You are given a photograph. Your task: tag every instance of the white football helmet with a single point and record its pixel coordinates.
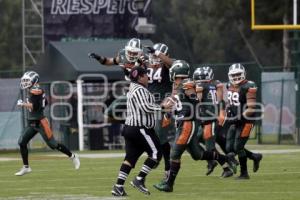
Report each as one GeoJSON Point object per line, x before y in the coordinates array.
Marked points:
{"type": "Point", "coordinates": [155, 60]}
{"type": "Point", "coordinates": [29, 79]}
{"type": "Point", "coordinates": [236, 73]}
{"type": "Point", "coordinates": [133, 50]}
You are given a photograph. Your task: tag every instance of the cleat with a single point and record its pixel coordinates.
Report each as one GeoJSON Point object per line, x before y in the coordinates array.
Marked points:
{"type": "Point", "coordinates": [227, 173]}
{"type": "Point", "coordinates": [165, 187]}
{"type": "Point", "coordinates": [76, 161]}
{"type": "Point", "coordinates": [162, 182]}
{"type": "Point", "coordinates": [118, 191]}
{"type": "Point", "coordinates": [24, 170]}
{"type": "Point", "coordinates": [140, 185]}
{"type": "Point", "coordinates": [244, 176]}
{"type": "Point", "coordinates": [211, 165]}
{"type": "Point", "coordinates": [235, 161]}
{"type": "Point", "coordinates": [231, 162]}
{"type": "Point", "coordinates": [256, 160]}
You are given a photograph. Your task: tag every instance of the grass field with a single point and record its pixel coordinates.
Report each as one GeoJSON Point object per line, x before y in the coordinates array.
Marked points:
{"type": "Point", "coordinates": [53, 177]}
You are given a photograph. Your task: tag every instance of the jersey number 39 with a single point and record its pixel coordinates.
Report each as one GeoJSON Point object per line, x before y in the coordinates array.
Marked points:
{"type": "Point", "coordinates": [233, 98]}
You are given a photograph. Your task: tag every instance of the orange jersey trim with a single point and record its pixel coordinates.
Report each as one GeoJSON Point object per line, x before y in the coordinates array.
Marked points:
{"type": "Point", "coordinates": [207, 131]}
{"type": "Point", "coordinates": [166, 121]}
{"type": "Point", "coordinates": [185, 133]}
{"type": "Point", "coordinates": [246, 130]}
{"type": "Point", "coordinates": [36, 91]}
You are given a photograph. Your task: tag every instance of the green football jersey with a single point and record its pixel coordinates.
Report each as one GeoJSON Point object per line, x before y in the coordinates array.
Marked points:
{"type": "Point", "coordinates": [38, 99]}
{"type": "Point", "coordinates": [185, 106]}
{"type": "Point", "coordinates": [237, 98]}
{"type": "Point", "coordinates": [208, 106]}
{"type": "Point", "coordinates": [159, 83]}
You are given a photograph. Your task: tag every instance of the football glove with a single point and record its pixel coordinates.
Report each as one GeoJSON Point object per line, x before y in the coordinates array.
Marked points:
{"type": "Point", "coordinates": [152, 50]}
{"type": "Point", "coordinates": [101, 59]}
{"type": "Point", "coordinates": [168, 104]}
{"type": "Point", "coordinates": [20, 102]}
{"type": "Point", "coordinates": [94, 56]}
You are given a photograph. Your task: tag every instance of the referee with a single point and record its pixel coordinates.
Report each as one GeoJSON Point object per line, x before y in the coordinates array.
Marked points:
{"type": "Point", "coordinates": [139, 133]}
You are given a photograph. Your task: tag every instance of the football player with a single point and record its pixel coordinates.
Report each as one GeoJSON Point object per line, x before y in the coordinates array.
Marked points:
{"type": "Point", "coordinates": [186, 132]}
{"type": "Point", "coordinates": [127, 58]}
{"type": "Point", "coordinates": [211, 111]}
{"type": "Point", "coordinates": [160, 86]}
{"type": "Point", "coordinates": [37, 122]}
{"type": "Point", "coordinates": [240, 111]}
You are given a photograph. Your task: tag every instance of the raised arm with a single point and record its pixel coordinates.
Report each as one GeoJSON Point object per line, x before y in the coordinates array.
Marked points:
{"type": "Point", "coordinates": [104, 60]}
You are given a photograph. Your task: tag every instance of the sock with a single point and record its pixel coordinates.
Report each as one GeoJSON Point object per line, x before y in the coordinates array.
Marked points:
{"type": "Point", "coordinates": [243, 164]}
{"type": "Point", "coordinates": [149, 164]}
{"type": "Point", "coordinates": [174, 169]}
{"type": "Point", "coordinates": [213, 155]}
{"type": "Point", "coordinates": [24, 154]}
{"type": "Point", "coordinates": [221, 159]}
{"type": "Point", "coordinates": [166, 149]}
{"type": "Point", "coordinates": [62, 148]}
{"type": "Point", "coordinates": [123, 174]}
{"type": "Point", "coordinates": [208, 155]}
{"type": "Point", "coordinates": [249, 154]}
{"type": "Point", "coordinates": [222, 162]}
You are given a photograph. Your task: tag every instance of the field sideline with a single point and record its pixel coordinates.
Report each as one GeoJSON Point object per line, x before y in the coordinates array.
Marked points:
{"type": "Point", "coordinates": [53, 177]}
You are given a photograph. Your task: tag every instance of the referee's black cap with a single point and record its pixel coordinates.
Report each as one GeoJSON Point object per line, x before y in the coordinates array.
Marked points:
{"type": "Point", "coordinates": [136, 72]}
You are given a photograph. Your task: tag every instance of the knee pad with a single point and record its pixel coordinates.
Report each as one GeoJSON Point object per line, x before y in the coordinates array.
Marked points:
{"type": "Point", "coordinates": [23, 146]}
{"type": "Point", "coordinates": [131, 160]}
{"type": "Point", "coordinates": [241, 153]}
{"type": "Point", "coordinates": [175, 155]}
{"type": "Point", "coordinates": [159, 156]}
{"type": "Point", "coordinates": [52, 146]}
{"type": "Point", "coordinates": [198, 156]}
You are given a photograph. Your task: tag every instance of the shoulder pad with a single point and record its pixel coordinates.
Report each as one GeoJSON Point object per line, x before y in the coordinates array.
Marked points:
{"type": "Point", "coordinates": [218, 83]}
{"type": "Point", "coordinates": [36, 90]}
{"type": "Point", "coordinates": [250, 84]}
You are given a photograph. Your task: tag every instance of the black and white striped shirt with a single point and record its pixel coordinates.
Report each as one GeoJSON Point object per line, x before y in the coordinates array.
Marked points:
{"type": "Point", "coordinates": [141, 107]}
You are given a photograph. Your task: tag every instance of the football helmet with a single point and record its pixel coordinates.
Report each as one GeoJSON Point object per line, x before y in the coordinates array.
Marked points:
{"type": "Point", "coordinates": [179, 68]}
{"type": "Point", "coordinates": [29, 79]}
{"type": "Point", "coordinates": [133, 50]}
{"type": "Point", "coordinates": [160, 47]}
{"type": "Point", "coordinates": [236, 73]}
{"type": "Point", "coordinates": [203, 74]}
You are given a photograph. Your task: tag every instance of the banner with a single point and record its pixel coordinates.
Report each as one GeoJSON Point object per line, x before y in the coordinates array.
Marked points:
{"type": "Point", "coordinates": [91, 18]}
{"type": "Point", "coordinates": [279, 99]}
{"type": "Point", "coordinates": [10, 114]}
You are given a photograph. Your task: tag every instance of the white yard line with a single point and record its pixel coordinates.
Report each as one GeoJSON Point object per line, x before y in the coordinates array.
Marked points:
{"type": "Point", "coordinates": [121, 155]}
{"type": "Point", "coordinates": [8, 159]}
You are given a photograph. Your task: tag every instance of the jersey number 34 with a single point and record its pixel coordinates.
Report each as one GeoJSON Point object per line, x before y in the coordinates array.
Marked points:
{"type": "Point", "coordinates": [154, 75]}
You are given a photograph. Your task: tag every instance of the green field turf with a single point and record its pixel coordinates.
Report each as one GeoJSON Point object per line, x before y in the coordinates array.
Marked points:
{"type": "Point", "coordinates": [55, 178]}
